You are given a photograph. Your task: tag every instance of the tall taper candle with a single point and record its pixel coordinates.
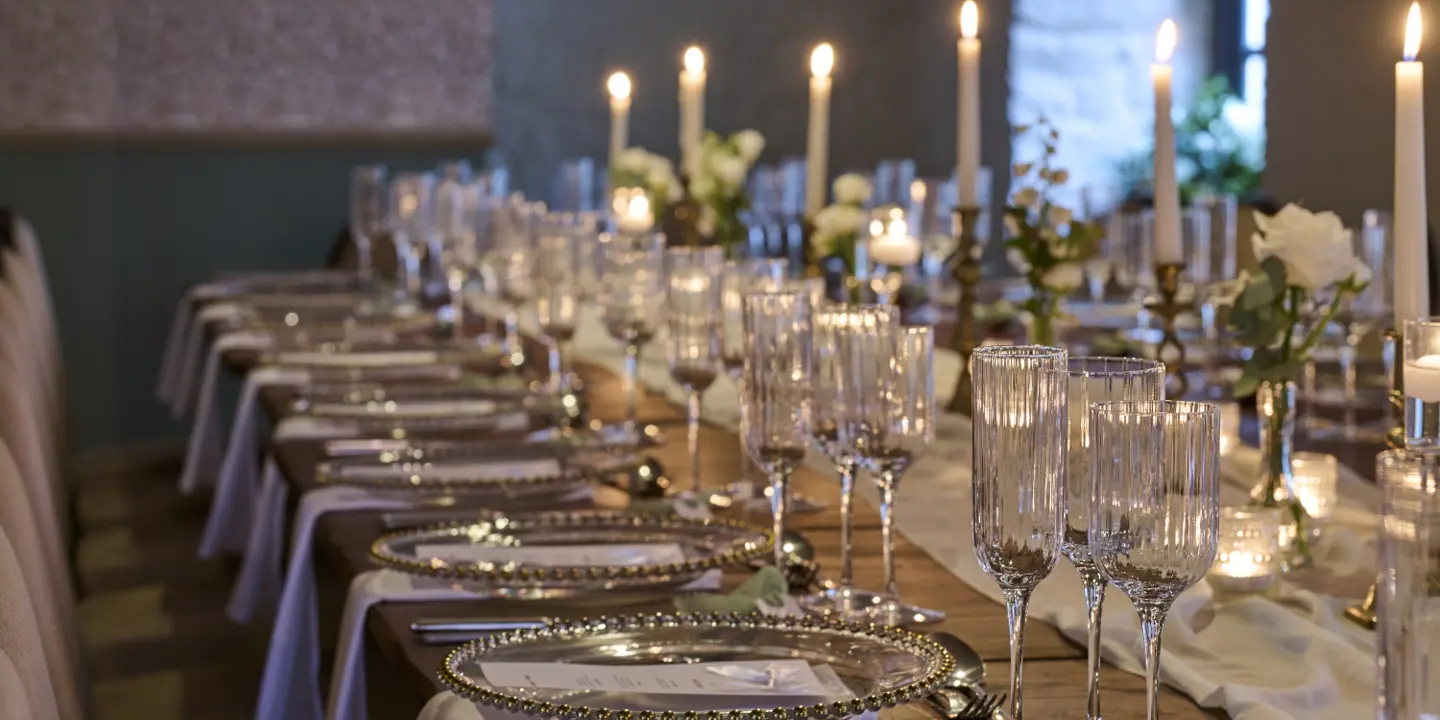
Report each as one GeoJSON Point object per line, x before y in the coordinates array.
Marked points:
{"type": "Point", "coordinates": [692, 109]}
{"type": "Point", "coordinates": [619, 86]}
{"type": "Point", "coordinates": [817, 140]}
{"type": "Point", "coordinates": [967, 139]}
{"type": "Point", "coordinates": [1167, 193]}
{"type": "Point", "coordinates": [1412, 282]}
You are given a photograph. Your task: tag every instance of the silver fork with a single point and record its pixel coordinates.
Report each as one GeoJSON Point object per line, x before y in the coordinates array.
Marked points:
{"type": "Point", "coordinates": [973, 704]}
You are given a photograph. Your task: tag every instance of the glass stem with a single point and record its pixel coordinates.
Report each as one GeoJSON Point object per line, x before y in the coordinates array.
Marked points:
{"type": "Point", "coordinates": [414, 281]}
{"type": "Point", "coordinates": [632, 360]}
{"type": "Point", "coordinates": [552, 349]}
{"type": "Point", "coordinates": [1094, 600]}
{"type": "Point", "coordinates": [1016, 602]}
{"type": "Point", "coordinates": [1388, 358]}
{"type": "Point", "coordinates": [692, 404]}
{"type": "Point", "coordinates": [847, 498]}
{"type": "Point", "coordinates": [779, 505]}
{"type": "Point", "coordinates": [512, 331]}
{"type": "Point", "coordinates": [1348, 375]}
{"type": "Point", "coordinates": [457, 304]}
{"type": "Point", "coordinates": [1211, 332]}
{"type": "Point", "coordinates": [887, 531]}
{"type": "Point", "coordinates": [363, 267]}
{"type": "Point", "coordinates": [1152, 621]}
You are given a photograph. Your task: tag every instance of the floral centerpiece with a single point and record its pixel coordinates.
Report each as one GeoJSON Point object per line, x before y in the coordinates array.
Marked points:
{"type": "Point", "coordinates": [719, 186]}
{"type": "Point", "coordinates": [1308, 269]}
{"type": "Point", "coordinates": [639, 168]}
{"type": "Point", "coordinates": [838, 226]}
{"type": "Point", "coordinates": [1044, 240]}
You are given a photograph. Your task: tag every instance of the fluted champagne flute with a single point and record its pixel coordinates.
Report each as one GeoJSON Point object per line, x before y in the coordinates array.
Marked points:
{"type": "Point", "coordinates": [368, 211]}
{"type": "Point", "coordinates": [411, 225]}
{"type": "Point", "coordinates": [889, 397]}
{"type": "Point", "coordinates": [1092, 380]}
{"type": "Point", "coordinates": [778, 395]}
{"type": "Point", "coordinates": [631, 285]}
{"type": "Point", "coordinates": [556, 290]}
{"type": "Point", "coordinates": [1155, 524]}
{"type": "Point", "coordinates": [693, 320]}
{"type": "Point", "coordinates": [1019, 462]}
{"type": "Point", "coordinates": [741, 277]}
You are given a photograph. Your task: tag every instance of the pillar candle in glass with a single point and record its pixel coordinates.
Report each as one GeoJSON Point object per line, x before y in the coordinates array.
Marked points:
{"type": "Point", "coordinates": [1406, 647]}
{"type": "Point", "coordinates": [1314, 483]}
{"type": "Point", "coordinates": [1422, 383]}
{"type": "Point", "coordinates": [1167, 193]}
{"type": "Point", "coordinates": [619, 86]}
{"type": "Point", "coordinates": [1412, 283]}
{"type": "Point", "coordinates": [1248, 557]}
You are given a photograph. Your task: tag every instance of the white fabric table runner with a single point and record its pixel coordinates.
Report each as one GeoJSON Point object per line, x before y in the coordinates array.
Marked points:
{"type": "Point", "coordinates": [1261, 658]}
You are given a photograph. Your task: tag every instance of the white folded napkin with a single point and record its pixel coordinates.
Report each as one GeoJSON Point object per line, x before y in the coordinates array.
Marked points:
{"type": "Point", "coordinates": [388, 358]}
{"type": "Point", "coordinates": [203, 454]}
{"type": "Point", "coordinates": [173, 355]}
{"type": "Point", "coordinates": [193, 353]}
{"type": "Point", "coordinates": [257, 587]}
{"type": "Point", "coordinates": [237, 485]}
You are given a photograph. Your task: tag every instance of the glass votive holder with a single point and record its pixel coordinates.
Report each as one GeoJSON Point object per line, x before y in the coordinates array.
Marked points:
{"type": "Point", "coordinates": [1229, 427]}
{"type": "Point", "coordinates": [1313, 480]}
{"type": "Point", "coordinates": [1407, 597]}
{"type": "Point", "coordinates": [1421, 378]}
{"type": "Point", "coordinates": [1248, 557]}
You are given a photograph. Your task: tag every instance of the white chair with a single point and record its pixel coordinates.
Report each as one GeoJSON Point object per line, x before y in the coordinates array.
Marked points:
{"type": "Point", "coordinates": [43, 308]}
{"type": "Point", "coordinates": [20, 433]}
{"type": "Point", "coordinates": [20, 640]}
{"type": "Point", "coordinates": [23, 301]}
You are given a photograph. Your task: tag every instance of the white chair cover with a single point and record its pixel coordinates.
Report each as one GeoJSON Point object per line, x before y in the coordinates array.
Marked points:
{"type": "Point", "coordinates": [43, 308]}
{"type": "Point", "coordinates": [19, 342]}
{"type": "Point", "coordinates": [20, 433]}
{"type": "Point", "coordinates": [20, 640]}
{"type": "Point", "coordinates": [13, 705]}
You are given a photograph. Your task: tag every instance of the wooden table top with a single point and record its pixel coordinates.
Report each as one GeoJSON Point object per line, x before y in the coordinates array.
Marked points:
{"type": "Point", "coordinates": [1055, 667]}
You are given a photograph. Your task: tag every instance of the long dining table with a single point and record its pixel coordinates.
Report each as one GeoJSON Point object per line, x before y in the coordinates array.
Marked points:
{"type": "Point", "coordinates": [402, 671]}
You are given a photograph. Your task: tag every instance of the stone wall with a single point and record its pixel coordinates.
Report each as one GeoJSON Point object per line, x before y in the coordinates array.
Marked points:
{"type": "Point", "coordinates": [1086, 66]}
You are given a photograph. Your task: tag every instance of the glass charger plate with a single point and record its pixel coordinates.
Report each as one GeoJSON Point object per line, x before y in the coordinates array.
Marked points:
{"type": "Point", "coordinates": [693, 546]}
{"type": "Point", "coordinates": [462, 387]}
{"type": "Point", "coordinates": [518, 471]}
{"type": "Point", "coordinates": [879, 667]}
{"type": "Point", "coordinates": [596, 436]}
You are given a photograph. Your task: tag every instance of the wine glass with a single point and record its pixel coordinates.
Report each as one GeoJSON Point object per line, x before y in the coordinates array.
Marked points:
{"type": "Point", "coordinates": [1154, 528]}
{"type": "Point", "coordinates": [1019, 445]}
{"type": "Point", "coordinates": [1092, 380]}
{"type": "Point", "coordinates": [778, 397]}
{"type": "Point", "coordinates": [556, 290]}
{"type": "Point", "coordinates": [411, 227]}
{"type": "Point", "coordinates": [833, 323]}
{"type": "Point", "coordinates": [631, 285]}
{"type": "Point", "coordinates": [693, 320]}
{"type": "Point", "coordinates": [456, 207]}
{"type": "Point", "coordinates": [741, 277]}
{"type": "Point", "coordinates": [887, 393]}
{"type": "Point", "coordinates": [367, 214]}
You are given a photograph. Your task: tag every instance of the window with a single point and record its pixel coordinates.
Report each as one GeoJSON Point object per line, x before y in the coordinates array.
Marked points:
{"type": "Point", "coordinates": [1240, 29]}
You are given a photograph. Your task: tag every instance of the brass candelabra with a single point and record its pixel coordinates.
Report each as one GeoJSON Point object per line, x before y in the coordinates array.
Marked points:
{"type": "Point", "coordinates": [1169, 308]}
{"type": "Point", "coordinates": [966, 271]}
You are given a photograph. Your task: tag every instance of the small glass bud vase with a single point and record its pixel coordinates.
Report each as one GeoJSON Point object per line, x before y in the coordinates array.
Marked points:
{"type": "Point", "coordinates": [1314, 479]}
{"type": "Point", "coordinates": [1229, 427]}
{"type": "Point", "coordinates": [1248, 557]}
{"type": "Point", "coordinates": [1275, 402]}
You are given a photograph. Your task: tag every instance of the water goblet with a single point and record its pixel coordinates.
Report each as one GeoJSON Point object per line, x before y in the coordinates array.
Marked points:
{"type": "Point", "coordinates": [741, 277]}
{"type": "Point", "coordinates": [1154, 529]}
{"type": "Point", "coordinates": [1092, 380]}
{"type": "Point", "coordinates": [693, 320]}
{"type": "Point", "coordinates": [411, 225]}
{"type": "Point", "coordinates": [1019, 421]}
{"type": "Point", "coordinates": [777, 391]}
{"type": "Point", "coordinates": [367, 214]}
{"type": "Point", "coordinates": [632, 279]}
{"type": "Point", "coordinates": [556, 292]}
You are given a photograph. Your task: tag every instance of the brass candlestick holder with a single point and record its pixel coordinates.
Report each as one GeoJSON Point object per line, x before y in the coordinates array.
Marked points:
{"type": "Point", "coordinates": [1363, 614]}
{"type": "Point", "coordinates": [1169, 308]}
{"type": "Point", "coordinates": [966, 271]}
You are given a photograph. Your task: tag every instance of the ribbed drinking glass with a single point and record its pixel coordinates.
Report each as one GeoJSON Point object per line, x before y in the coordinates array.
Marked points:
{"type": "Point", "coordinates": [557, 291]}
{"type": "Point", "coordinates": [1018, 501]}
{"type": "Point", "coordinates": [693, 321]}
{"type": "Point", "coordinates": [741, 277]}
{"type": "Point", "coordinates": [631, 284]}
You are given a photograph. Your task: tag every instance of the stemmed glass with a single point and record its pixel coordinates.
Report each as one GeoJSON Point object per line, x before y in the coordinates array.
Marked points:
{"type": "Point", "coordinates": [693, 300]}
{"type": "Point", "coordinates": [411, 227]}
{"type": "Point", "coordinates": [1092, 380]}
{"type": "Point", "coordinates": [777, 391]}
{"type": "Point", "coordinates": [510, 261]}
{"type": "Point", "coordinates": [631, 284]}
{"type": "Point", "coordinates": [887, 393]}
{"type": "Point", "coordinates": [1019, 444]}
{"type": "Point", "coordinates": [741, 277]}
{"type": "Point", "coordinates": [1155, 525]}
{"type": "Point", "coordinates": [557, 291]}
{"type": "Point", "coordinates": [367, 214]}
{"type": "Point", "coordinates": [457, 207]}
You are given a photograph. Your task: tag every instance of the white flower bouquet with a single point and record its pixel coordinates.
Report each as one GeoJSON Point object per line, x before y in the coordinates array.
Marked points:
{"type": "Point", "coordinates": [838, 226]}
{"type": "Point", "coordinates": [639, 168]}
{"type": "Point", "coordinates": [719, 185]}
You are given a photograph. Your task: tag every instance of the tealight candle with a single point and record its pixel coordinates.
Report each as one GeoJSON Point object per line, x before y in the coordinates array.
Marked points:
{"type": "Point", "coordinates": [1421, 353]}
{"type": "Point", "coordinates": [632, 211]}
{"type": "Point", "coordinates": [1314, 483]}
{"type": "Point", "coordinates": [1248, 554]}
{"type": "Point", "coordinates": [1422, 378]}
{"type": "Point", "coordinates": [1229, 427]}
{"type": "Point", "coordinates": [891, 243]}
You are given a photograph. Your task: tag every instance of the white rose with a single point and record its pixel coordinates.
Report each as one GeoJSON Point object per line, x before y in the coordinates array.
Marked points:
{"type": "Point", "coordinates": [1060, 216]}
{"type": "Point", "coordinates": [1025, 198]}
{"type": "Point", "coordinates": [1316, 248]}
{"type": "Point", "coordinates": [750, 143]}
{"type": "Point", "coordinates": [1017, 260]}
{"type": "Point", "coordinates": [1064, 277]}
{"type": "Point", "coordinates": [659, 177]}
{"type": "Point", "coordinates": [852, 189]}
{"type": "Point", "coordinates": [703, 186]}
{"type": "Point", "coordinates": [633, 160]}
{"type": "Point", "coordinates": [840, 219]}
{"type": "Point", "coordinates": [705, 225]}
{"type": "Point", "coordinates": [729, 170]}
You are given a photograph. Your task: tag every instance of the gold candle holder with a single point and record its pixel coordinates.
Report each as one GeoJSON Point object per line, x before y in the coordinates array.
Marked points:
{"type": "Point", "coordinates": [1363, 614]}
{"type": "Point", "coordinates": [1169, 308]}
{"type": "Point", "coordinates": [966, 270]}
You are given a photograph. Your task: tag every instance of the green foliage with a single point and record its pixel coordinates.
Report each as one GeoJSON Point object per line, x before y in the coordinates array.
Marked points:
{"type": "Point", "coordinates": [1211, 156]}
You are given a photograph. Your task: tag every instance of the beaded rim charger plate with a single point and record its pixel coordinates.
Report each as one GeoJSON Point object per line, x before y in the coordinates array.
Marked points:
{"type": "Point", "coordinates": [703, 545]}
{"type": "Point", "coordinates": [460, 470]}
{"type": "Point", "coordinates": [880, 667]}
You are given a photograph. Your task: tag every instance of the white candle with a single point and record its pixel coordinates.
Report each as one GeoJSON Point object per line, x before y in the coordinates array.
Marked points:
{"type": "Point", "coordinates": [967, 140]}
{"type": "Point", "coordinates": [817, 141]}
{"type": "Point", "coordinates": [1422, 378]}
{"type": "Point", "coordinates": [692, 110]}
{"type": "Point", "coordinates": [1167, 194]}
{"type": "Point", "coordinates": [893, 245]}
{"type": "Point", "coordinates": [1412, 282]}
{"type": "Point", "coordinates": [619, 86]}
{"type": "Point", "coordinates": [632, 212]}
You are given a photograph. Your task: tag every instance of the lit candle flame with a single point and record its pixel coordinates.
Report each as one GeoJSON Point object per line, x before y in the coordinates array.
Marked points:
{"type": "Point", "coordinates": [822, 60]}
{"type": "Point", "coordinates": [917, 191]}
{"type": "Point", "coordinates": [1412, 33]}
{"type": "Point", "coordinates": [638, 206]}
{"type": "Point", "coordinates": [619, 85]}
{"type": "Point", "coordinates": [969, 19]}
{"type": "Point", "coordinates": [1165, 41]}
{"type": "Point", "coordinates": [694, 60]}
